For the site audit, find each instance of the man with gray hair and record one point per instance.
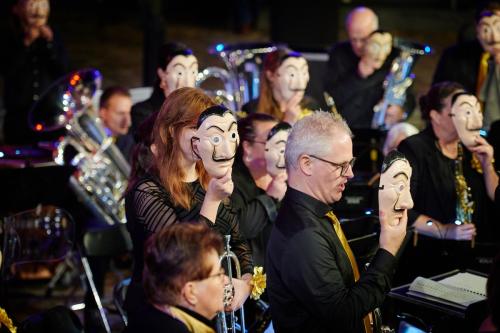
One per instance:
(313, 281)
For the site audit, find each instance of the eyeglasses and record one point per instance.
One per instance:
(219, 275)
(255, 141)
(344, 166)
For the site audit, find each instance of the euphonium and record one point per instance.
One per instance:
(101, 174)
(399, 79)
(241, 76)
(230, 258)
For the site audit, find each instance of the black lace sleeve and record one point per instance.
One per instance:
(152, 207)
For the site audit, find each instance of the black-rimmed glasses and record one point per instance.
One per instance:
(344, 166)
(219, 275)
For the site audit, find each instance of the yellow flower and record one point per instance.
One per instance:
(258, 282)
(5, 320)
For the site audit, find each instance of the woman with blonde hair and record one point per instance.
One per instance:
(177, 189)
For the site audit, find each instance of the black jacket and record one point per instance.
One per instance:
(310, 281)
(140, 111)
(354, 96)
(256, 211)
(460, 63)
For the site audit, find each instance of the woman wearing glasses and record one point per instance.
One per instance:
(183, 281)
(176, 188)
(449, 184)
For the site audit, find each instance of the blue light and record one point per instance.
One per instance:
(458, 222)
(219, 47)
(17, 152)
(483, 133)
(1, 154)
(427, 49)
(368, 212)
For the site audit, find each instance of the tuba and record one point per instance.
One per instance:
(101, 171)
(399, 79)
(223, 325)
(241, 76)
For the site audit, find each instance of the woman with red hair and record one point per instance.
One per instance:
(176, 189)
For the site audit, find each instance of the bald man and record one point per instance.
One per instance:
(353, 79)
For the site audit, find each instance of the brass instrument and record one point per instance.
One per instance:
(399, 79)
(101, 174)
(241, 76)
(230, 258)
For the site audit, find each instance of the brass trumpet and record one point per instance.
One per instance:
(230, 258)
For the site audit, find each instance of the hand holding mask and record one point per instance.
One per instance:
(467, 117)
(216, 140)
(394, 195)
(377, 49)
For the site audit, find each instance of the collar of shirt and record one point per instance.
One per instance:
(311, 204)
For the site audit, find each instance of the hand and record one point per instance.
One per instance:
(392, 233)
(277, 187)
(393, 115)
(220, 188)
(366, 67)
(46, 32)
(291, 108)
(484, 152)
(459, 232)
(242, 289)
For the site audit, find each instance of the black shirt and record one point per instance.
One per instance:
(140, 111)
(310, 282)
(256, 211)
(354, 96)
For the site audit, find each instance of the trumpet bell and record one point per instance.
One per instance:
(64, 99)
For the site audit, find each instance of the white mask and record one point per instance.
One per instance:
(181, 72)
(467, 118)
(291, 77)
(215, 143)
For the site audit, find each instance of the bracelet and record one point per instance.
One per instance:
(258, 282)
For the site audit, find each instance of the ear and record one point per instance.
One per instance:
(435, 116)
(161, 73)
(189, 293)
(305, 165)
(154, 149)
(270, 76)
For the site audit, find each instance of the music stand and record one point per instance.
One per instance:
(462, 318)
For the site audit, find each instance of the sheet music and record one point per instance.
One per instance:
(422, 287)
(468, 281)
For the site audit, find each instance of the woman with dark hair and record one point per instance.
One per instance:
(283, 81)
(183, 281)
(449, 184)
(256, 194)
(177, 188)
(177, 67)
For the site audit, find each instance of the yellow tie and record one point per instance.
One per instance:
(482, 72)
(350, 255)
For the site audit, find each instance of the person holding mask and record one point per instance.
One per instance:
(177, 68)
(283, 81)
(256, 194)
(33, 58)
(452, 182)
(183, 281)
(475, 64)
(176, 188)
(357, 69)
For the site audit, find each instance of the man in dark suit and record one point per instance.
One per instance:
(314, 284)
(475, 64)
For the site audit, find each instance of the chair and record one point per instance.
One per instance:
(119, 293)
(44, 235)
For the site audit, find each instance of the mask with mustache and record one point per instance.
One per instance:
(275, 148)
(467, 117)
(292, 76)
(180, 72)
(216, 140)
(394, 189)
(488, 32)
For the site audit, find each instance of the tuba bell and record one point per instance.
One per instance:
(101, 171)
(241, 76)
